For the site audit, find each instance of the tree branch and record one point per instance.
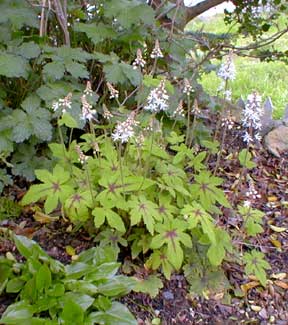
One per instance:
(200, 8)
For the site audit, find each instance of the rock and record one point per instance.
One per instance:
(168, 295)
(285, 116)
(241, 103)
(267, 118)
(276, 141)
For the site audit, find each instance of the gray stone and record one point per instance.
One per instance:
(168, 295)
(285, 116)
(267, 117)
(241, 103)
(276, 141)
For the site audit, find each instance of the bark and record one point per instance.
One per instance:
(200, 8)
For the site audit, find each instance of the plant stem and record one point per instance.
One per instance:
(147, 161)
(220, 151)
(188, 120)
(194, 123)
(120, 165)
(90, 184)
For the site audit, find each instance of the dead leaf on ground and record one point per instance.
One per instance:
(44, 218)
(248, 286)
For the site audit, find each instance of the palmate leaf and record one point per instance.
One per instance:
(143, 209)
(195, 214)
(217, 251)
(256, 265)
(56, 188)
(113, 218)
(97, 33)
(205, 189)
(252, 219)
(18, 13)
(129, 13)
(54, 70)
(78, 205)
(151, 285)
(22, 163)
(29, 50)
(39, 118)
(158, 259)
(77, 70)
(172, 233)
(121, 73)
(13, 66)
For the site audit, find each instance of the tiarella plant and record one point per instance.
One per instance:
(134, 188)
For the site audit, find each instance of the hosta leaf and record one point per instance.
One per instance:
(117, 314)
(117, 286)
(13, 66)
(17, 313)
(43, 278)
(72, 313)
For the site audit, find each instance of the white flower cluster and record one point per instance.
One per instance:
(187, 87)
(252, 195)
(195, 108)
(106, 113)
(156, 52)
(252, 117)
(63, 104)
(227, 72)
(114, 93)
(82, 158)
(87, 112)
(125, 130)
(139, 61)
(179, 111)
(88, 90)
(228, 121)
(227, 69)
(157, 99)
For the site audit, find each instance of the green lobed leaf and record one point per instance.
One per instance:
(54, 70)
(13, 66)
(97, 33)
(151, 285)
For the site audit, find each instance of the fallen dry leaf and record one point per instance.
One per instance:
(247, 286)
(281, 284)
(44, 218)
(278, 229)
(255, 308)
(279, 276)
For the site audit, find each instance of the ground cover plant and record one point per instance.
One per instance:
(137, 179)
